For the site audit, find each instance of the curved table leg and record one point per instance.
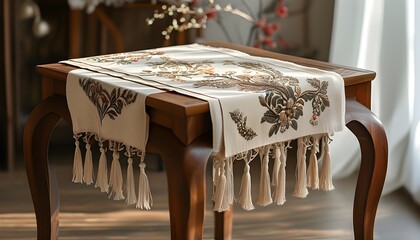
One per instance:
(374, 148)
(186, 173)
(36, 137)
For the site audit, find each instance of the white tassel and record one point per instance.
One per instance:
(230, 181)
(313, 178)
(115, 178)
(88, 167)
(245, 198)
(144, 199)
(280, 190)
(276, 166)
(131, 192)
(102, 179)
(264, 196)
(219, 195)
(326, 175)
(300, 190)
(77, 162)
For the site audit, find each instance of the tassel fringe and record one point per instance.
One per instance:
(280, 188)
(77, 162)
(145, 199)
(313, 178)
(131, 191)
(264, 198)
(326, 175)
(223, 180)
(88, 167)
(115, 177)
(300, 187)
(102, 179)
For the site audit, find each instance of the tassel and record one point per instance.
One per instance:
(131, 192)
(102, 179)
(313, 178)
(276, 166)
(115, 178)
(230, 181)
(77, 162)
(264, 197)
(219, 195)
(326, 175)
(88, 167)
(300, 187)
(144, 199)
(280, 190)
(245, 198)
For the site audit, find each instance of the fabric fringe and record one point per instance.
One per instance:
(280, 187)
(131, 191)
(313, 178)
(276, 165)
(223, 179)
(102, 176)
(144, 199)
(220, 197)
(77, 161)
(326, 175)
(264, 196)
(115, 177)
(245, 198)
(300, 190)
(88, 167)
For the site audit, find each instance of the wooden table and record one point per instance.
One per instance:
(180, 131)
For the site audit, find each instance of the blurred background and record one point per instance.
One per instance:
(380, 35)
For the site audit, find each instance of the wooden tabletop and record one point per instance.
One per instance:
(187, 106)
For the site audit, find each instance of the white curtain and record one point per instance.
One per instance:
(383, 36)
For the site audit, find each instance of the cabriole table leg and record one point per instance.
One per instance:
(36, 138)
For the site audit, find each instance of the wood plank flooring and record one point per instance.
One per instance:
(88, 214)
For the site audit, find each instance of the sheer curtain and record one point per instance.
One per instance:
(384, 36)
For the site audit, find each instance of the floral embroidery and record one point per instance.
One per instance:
(107, 103)
(283, 96)
(240, 120)
(178, 70)
(125, 58)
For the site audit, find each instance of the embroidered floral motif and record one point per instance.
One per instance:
(125, 58)
(283, 96)
(107, 103)
(178, 70)
(240, 120)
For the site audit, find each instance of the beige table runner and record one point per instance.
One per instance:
(258, 105)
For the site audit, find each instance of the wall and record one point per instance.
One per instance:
(315, 43)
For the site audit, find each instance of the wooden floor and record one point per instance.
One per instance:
(88, 214)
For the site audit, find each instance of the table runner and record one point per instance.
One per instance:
(257, 105)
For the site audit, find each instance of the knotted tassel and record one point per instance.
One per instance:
(88, 167)
(264, 196)
(313, 178)
(276, 166)
(102, 176)
(219, 195)
(280, 188)
(230, 181)
(115, 177)
(326, 175)
(77, 162)
(131, 192)
(300, 190)
(245, 197)
(144, 199)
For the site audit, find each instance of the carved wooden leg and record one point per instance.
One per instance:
(374, 147)
(186, 172)
(223, 225)
(36, 137)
